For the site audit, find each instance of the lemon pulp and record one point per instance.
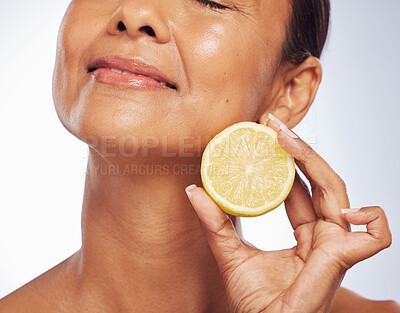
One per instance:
(245, 170)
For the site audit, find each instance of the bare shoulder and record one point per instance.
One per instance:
(49, 292)
(349, 301)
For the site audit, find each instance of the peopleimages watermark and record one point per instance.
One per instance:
(169, 148)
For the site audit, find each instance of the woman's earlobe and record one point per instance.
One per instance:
(281, 109)
(282, 113)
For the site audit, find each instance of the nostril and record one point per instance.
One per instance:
(148, 30)
(121, 26)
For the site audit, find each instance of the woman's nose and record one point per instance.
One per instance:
(140, 18)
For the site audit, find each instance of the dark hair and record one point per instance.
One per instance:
(307, 30)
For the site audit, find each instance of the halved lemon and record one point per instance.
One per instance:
(245, 170)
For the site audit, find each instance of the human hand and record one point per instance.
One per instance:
(306, 277)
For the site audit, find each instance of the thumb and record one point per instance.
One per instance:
(377, 237)
(221, 235)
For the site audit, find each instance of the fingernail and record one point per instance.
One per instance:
(282, 126)
(288, 132)
(188, 189)
(350, 210)
(266, 121)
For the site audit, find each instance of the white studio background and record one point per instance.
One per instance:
(352, 124)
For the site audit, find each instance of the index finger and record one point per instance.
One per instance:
(332, 191)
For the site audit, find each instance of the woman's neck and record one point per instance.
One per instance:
(142, 246)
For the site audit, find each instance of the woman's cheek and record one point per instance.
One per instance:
(79, 29)
(212, 57)
(221, 69)
(211, 42)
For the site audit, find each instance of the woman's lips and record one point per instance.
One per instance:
(123, 78)
(133, 72)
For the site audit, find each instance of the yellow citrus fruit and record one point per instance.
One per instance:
(245, 170)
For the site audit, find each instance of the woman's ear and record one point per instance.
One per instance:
(294, 91)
